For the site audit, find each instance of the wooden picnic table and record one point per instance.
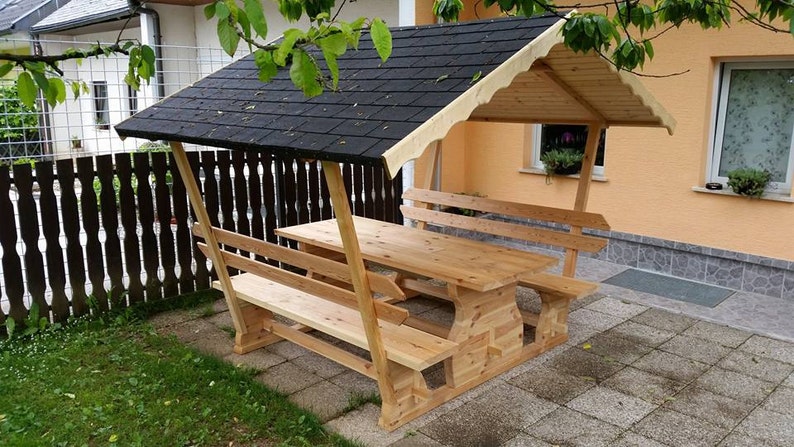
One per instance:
(480, 279)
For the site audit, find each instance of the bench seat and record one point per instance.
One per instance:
(403, 344)
(559, 286)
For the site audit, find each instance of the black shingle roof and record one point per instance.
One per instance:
(376, 106)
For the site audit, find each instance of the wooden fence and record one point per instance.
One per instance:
(105, 231)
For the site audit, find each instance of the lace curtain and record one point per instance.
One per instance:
(759, 121)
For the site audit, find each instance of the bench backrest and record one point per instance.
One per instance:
(572, 241)
(326, 268)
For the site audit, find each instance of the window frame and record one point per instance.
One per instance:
(101, 114)
(132, 100)
(722, 78)
(535, 142)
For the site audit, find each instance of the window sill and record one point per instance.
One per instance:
(726, 192)
(538, 171)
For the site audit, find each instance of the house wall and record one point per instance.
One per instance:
(659, 222)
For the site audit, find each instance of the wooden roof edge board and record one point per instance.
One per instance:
(459, 110)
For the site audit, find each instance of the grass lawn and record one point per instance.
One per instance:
(96, 383)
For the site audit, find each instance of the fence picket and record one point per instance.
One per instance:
(89, 214)
(162, 194)
(71, 229)
(149, 244)
(108, 207)
(183, 245)
(202, 272)
(14, 284)
(52, 235)
(128, 207)
(29, 232)
(255, 197)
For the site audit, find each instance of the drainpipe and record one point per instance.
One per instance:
(138, 7)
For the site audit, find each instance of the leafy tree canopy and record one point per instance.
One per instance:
(622, 31)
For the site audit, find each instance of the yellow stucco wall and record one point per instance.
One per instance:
(650, 174)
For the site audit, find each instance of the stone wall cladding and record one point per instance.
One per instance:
(735, 270)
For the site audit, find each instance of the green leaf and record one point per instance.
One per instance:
(222, 11)
(335, 44)
(76, 88)
(304, 73)
(147, 54)
(41, 80)
(285, 47)
(648, 48)
(267, 68)
(333, 67)
(381, 38)
(253, 9)
(6, 68)
(209, 11)
(59, 90)
(26, 89)
(228, 37)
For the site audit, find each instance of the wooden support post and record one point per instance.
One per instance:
(583, 191)
(433, 154)
(197, 202)
(347, 231)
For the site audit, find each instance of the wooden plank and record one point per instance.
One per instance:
(202, 272)
(71, 229)
(327, 350)
(378, 187)
(468, 263)
(194, 194)
(241, 193)
(108, 204)
(515, 231)
(183, 245)
(327, 211)
(149, 246)
(90, 219)
(583, 191)
(12, 267)
(269, 193)
(321, 289)
(35, 280)
(128, 207)
(366, 306)
(326, 267)
(368, 191)
(433, 155)
(556, 285)
(569, 217)
(54, 253)
(289, 196)
(546, 73)
(302, 190)
(162, 193)
(404, 345)
(255, 195)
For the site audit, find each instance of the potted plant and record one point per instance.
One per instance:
(564, 161)
(76, 142)
(749, 182)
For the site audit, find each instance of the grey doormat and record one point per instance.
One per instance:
(670, 287)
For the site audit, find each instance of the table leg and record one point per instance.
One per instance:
(493, 312)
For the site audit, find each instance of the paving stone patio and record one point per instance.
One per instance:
(632, 374)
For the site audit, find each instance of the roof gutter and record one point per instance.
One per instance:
(138, 8)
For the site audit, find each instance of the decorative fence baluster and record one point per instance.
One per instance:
(52, 235)
(129, 207)
(12, 267)
(29, 231)
(75, 262)
(109, 208)
(162, 194)
(184, 248)
(146, 218)
(89, 214)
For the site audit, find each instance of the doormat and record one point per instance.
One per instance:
(670, 287)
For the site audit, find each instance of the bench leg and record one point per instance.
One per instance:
(257, 321)
(552, 328)
(409, 393)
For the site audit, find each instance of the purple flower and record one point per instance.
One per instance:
(567, 138)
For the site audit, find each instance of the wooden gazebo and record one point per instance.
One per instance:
(506, 70)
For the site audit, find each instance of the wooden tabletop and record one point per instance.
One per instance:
(473, 264)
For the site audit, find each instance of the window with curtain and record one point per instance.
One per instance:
(755, 121)
(101, 109)
(559, 136)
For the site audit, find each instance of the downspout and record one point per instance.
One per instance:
(138, 7)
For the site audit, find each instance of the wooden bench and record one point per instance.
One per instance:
(323, 303)
(556, 291)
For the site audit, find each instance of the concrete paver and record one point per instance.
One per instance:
(649, 377)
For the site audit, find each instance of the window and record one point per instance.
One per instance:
(556, 136)
(101, 111)
(132, 99)
(755, 121)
